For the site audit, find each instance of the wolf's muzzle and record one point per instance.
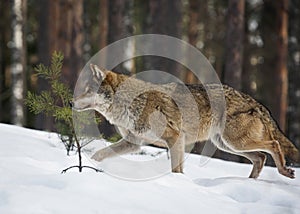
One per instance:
(71, 103)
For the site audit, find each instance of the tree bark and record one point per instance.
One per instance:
(281, 65)
(294, 74)
(1, 59)
(141, 8)
(18, 67)
(234, 43)
(67, 26)
(62, 31)
(193, 32)
(5, 65)
(120, 27)
(275, 65)
(249, 85)
(117, 27)
(44, 34)
(165, 17)
(103, 23)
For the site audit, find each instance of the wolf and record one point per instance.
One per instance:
(145, 112)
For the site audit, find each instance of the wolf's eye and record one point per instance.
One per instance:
(107, 94)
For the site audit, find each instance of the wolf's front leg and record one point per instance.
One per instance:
(120, 148)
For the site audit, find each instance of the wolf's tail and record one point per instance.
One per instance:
(289, 149)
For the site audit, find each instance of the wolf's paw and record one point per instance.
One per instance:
(288, 172)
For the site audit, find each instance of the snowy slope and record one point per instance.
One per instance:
(30, 182)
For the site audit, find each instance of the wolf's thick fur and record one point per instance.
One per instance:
(145, 112)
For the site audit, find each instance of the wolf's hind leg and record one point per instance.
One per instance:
(120, 148)
(273, 148)
(258, 160)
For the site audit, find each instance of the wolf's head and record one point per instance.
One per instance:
(96, 92)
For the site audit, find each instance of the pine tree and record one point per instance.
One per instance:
(55, 102)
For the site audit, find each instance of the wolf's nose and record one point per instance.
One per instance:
(71, 104)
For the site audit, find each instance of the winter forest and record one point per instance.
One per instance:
(253, 45)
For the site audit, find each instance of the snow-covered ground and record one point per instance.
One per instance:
(30, 182)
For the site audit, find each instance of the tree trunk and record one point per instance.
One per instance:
(141, 8)
(68, 38)
(6, 36)
(1, 59)
(281, 65)
(294, 74)
(41, 121)
(120, 26)
(118, 20)
(234, 43)
(275, 65)
(103, 27)
(43, 35)
(62, 31)
(250, 49)
(18, 67)
(193, 31)
(165, 17)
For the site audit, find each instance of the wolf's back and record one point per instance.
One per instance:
(289, 149)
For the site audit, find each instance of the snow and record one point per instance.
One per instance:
(30, 182)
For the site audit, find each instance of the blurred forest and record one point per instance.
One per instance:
(254, 46)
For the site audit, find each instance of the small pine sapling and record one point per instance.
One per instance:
(55, 102)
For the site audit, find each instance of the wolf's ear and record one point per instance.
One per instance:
(99, 73)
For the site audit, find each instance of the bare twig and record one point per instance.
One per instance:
(80, 168)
